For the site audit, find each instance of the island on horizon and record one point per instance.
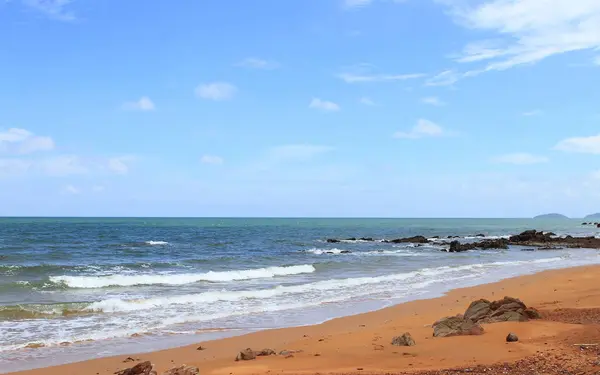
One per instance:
(595, 216)
(551, 216)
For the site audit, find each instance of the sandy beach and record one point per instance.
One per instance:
(568, 299)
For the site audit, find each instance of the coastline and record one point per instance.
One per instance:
(347, 344)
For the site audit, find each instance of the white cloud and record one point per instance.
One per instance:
(119, 165)
(356, 3)
(56, 9)
(64, 165)
(21, 141)
(98, 188)
(216, 91)
(212, 159)
(11, 167)
(143, 104)
(357, 78)
(520, 158)
(366, 101)
(445, 78)
(423, 128)
(585, 145)
(297, 152)
(256, 63)
(323, 105)
(433, 100)
(527, 31)
(70, 189)
(534, 112)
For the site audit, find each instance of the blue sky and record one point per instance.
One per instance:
(414, 108)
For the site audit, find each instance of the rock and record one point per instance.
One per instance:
(480, 235)
(477, 310)
(246, 355)
(415, 239)
(369, 239)
(34, 345)
(512, 338)
(456, 326)
(183, 370)
(286, 353)
(265, 353)
(532, 313)
(597, 225)
(332, 240)
(129, 359)
(201, 348)
(345, 252)
(143, 368)
(457, 247)
(351, 239)
(436, 237)
(404, 340)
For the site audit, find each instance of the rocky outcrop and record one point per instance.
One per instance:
(332, 240)
(414, 239)
(457, 247)
(550, 241)
(483, 311)
(143, 368)
(246, 355)
(265, 353)
(504, 310)
(531, 236)
(183, 370)
(404, 340)
(456, 326)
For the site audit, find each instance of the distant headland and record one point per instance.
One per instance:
(551, 216)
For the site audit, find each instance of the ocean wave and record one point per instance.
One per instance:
(86, 282)
(336, 251)
(156, 243)
(417, 278)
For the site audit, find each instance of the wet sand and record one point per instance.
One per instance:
(568, 299)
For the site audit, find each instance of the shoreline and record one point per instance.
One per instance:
(343, 345)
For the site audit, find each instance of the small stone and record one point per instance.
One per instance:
(404, 340)
(183, 370)
(128, 359)
(512, 337)
(246, 355)
(201, 348)
(265, 353)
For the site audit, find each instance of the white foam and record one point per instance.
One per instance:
(156, 243)
(86, 282)
(334, 251)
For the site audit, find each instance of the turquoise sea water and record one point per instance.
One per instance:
(110, 286)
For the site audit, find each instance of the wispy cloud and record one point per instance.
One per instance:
(55, 9)
(212, 159)
(143, 104)
(366, 101)
(433, 100)
(520, 158)
(256, 63)
(70, 189)
(527, 31)
(584, 145)
(445, 78)
(359, 78)
(423, 128)
(22, 141)
(120, 165)
(351, 4)
(534, 112)
(217, 91)
(323, 105)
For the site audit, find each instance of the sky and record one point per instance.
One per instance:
(325, 108)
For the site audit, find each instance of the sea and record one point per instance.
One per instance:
(79, 288)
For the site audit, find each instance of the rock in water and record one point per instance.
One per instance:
(456, 326)
(246, 355)
(183, 370)
(512, 337)
(404, 340)
(143, 368)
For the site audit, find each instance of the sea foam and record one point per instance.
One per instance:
(178, 279)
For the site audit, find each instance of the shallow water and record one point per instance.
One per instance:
(143, 284)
